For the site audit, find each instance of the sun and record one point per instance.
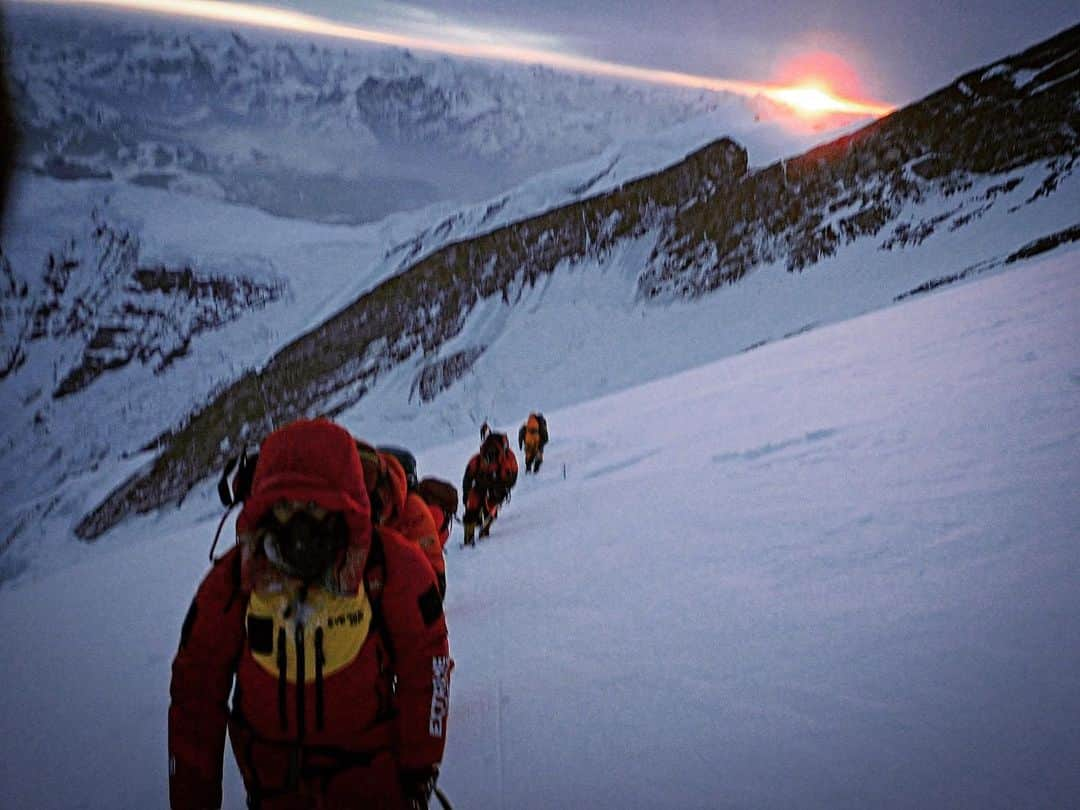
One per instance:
(813, 100)
(815, 84)
(808, 98)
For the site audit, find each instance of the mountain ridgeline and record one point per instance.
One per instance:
(307, 131)
(712, 221)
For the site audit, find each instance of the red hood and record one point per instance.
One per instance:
(397, 486)
(310, 460)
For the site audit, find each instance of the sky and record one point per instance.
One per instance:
(878, 54)
(901, 49)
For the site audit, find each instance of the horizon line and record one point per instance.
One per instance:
(805, 100)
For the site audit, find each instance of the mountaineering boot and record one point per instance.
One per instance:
(536, 465)
(469, 529)
(485, 527)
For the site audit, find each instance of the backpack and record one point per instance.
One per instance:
(407, 461)
(507, 462)
(439, 493)
(236, 494)
(543, 428)
(497, 442)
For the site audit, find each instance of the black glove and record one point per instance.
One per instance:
(418, 784)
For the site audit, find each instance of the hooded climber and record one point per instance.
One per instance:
(532, 436)
(489, 477)
(395, 503)
(438, 498)
(334, 635)
(442, 500)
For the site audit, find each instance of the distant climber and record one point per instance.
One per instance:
(532, 436)
(489, 477)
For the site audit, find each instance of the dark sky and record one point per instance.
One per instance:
(900, 50)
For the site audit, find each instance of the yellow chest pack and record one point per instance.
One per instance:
(319, 633)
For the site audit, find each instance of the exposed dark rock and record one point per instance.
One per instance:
(1045, 244)
(93, 291)
(62, 169)
(438, 376)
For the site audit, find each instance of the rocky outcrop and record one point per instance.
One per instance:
(107, 310)
(1019, 115)
(439, 375)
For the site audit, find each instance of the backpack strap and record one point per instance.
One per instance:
(374, 582)
(374, 578)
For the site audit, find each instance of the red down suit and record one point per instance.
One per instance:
(489, 477)
(340, 687)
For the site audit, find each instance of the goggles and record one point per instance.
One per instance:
(304, 540)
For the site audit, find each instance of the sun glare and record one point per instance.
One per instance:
(812, 100)
(818, 83)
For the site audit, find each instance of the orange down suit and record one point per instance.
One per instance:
(407, 513)
(399, 509)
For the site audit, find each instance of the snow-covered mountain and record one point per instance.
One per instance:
(423, 316)
(834, 573)
(126, 301)
(982, 171)
(307, 129)
(806, 531)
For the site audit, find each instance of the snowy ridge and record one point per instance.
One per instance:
(320, 269)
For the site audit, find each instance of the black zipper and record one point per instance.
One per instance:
(320, 660)
(300, 709)
(283, 673)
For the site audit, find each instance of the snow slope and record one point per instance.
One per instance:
(836, 571)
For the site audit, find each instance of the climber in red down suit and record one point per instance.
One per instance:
(334, 634)
(489, 477)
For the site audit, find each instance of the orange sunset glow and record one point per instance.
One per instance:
(812, 86)
(816, 83)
